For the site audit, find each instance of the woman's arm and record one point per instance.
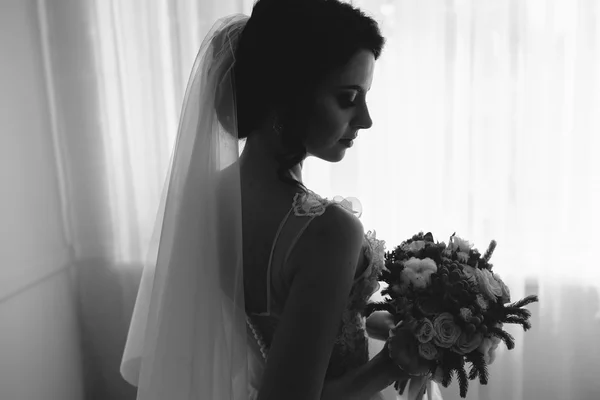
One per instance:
(323, 262)
(379, 324)
(364, 382)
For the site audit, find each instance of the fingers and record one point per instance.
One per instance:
(379, 324)
(406, 352)
(408, 325)
(411, 361)
(410, 322)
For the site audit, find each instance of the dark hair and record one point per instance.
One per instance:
(286, 50)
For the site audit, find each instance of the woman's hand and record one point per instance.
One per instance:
(381, 371)
(404, 349)
(379, 324)
(405, 346)
(391, 370)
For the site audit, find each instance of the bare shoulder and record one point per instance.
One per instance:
(330, 242)
(324, 260)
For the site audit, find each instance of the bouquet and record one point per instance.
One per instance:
(455, 305)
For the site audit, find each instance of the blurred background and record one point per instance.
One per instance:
(486, 123)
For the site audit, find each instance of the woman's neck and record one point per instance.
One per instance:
(259, 160)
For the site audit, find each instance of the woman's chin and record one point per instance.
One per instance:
(334, 158)
(332, 154)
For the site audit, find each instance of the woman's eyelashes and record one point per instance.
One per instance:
(348, 100)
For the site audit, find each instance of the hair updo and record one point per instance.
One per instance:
(285, 51)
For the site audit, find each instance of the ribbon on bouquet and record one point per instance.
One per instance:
(417, 387)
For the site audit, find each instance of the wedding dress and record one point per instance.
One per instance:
(350, 350)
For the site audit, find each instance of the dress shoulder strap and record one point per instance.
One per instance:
(306, 206)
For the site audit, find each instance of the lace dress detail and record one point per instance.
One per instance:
(351, 345)
(309, 204)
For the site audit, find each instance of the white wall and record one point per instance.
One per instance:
(39, 341)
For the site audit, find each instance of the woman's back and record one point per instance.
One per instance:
(283, 228)
(263, 210)
(272, 225)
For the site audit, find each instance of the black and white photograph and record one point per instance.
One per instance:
(300, 199)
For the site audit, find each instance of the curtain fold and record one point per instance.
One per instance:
(486, 120)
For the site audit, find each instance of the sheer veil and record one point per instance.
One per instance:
(187, 338)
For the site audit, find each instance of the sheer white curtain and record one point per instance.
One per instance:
(486, 119)
(115, 73)
(133, 59)
(486, 122)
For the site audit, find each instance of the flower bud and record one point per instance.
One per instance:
(455, 276)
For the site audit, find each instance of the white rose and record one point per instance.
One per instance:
(428, 351)
(466, 342)
(489, 285)
(462, 257)
(446, 332)
(461, 244)
(505, 290)
(488, 348)
(470, 272)
(473, 273)
(481, 302)
(424, 332)
(414, 246)
(418, 272)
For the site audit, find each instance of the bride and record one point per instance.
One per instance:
(255, 285)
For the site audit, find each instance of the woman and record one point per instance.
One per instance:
(259, 283)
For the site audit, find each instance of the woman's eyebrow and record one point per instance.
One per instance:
(358, 88)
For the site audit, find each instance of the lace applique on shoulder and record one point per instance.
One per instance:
(310, 204)
(351, 204)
